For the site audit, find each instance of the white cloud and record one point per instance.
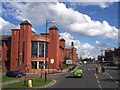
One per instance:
(101, 44)
(84, 48)
(67, 18)
(119, 38)
(100, 4)
(5, 26)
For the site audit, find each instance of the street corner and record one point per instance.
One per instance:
(48, 85)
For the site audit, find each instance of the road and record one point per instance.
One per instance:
(90, 79)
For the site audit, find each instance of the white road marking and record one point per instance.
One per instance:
(117, 82)
(100, 86)
(96, 77)
(112, 78)
(98, 82)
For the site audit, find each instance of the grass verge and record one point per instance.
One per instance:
(5, 79)
(37, 82)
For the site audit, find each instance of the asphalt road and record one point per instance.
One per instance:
(90, 79)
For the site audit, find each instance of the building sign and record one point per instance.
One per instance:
(51, 61)
(68, 61)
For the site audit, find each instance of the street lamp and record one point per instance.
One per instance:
(102, 60)
(25, 80)
(45, 45)
(102, 57)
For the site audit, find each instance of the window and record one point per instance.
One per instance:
(34, 49)
(23, 48)
(40, 64)
(38, 49)
(34, 64)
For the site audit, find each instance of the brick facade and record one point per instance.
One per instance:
(26, 49)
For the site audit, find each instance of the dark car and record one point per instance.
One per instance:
(14, 74)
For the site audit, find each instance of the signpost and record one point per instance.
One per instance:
(52, 62)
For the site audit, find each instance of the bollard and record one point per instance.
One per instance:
(29, 83)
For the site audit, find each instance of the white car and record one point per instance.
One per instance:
(85, 61)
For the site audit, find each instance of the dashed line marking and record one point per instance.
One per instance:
(100, 87)
(112, 78)
(117, 82)
(98, 82)
(97, 77)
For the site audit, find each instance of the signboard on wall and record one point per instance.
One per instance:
(51, 61)
(68, 61)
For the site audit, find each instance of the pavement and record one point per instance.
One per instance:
(29, 75)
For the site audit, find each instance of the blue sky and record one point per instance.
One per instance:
(92, 26)
(109, 14)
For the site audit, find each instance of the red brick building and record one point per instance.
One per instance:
(71, 53)
(27, 49)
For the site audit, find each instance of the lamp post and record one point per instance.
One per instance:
(25, 80)
(45, 45)
(102, 57)
(103, 69)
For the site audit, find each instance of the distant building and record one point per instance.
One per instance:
(0, 55)
(108, 56)
(117, 55)
(71, 53)
(112, 55)
(24, 49)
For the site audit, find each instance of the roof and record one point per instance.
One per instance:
(44, 33)
(25, 23)
(53, 27)
(5, 37)
(62, 39)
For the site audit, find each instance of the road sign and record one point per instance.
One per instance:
(68, 61)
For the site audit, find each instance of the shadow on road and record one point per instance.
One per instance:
(117, 80)
(72, 77)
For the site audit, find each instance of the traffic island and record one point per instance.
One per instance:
(36, 82)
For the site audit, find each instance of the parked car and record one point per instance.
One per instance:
(14, 74)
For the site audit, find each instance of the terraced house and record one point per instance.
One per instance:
(24, 48)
